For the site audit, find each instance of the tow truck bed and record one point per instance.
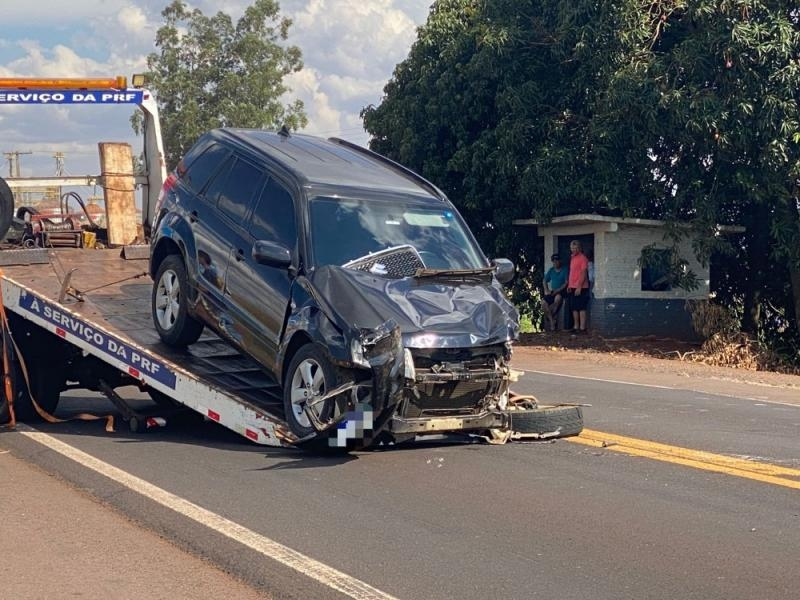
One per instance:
(113, 323)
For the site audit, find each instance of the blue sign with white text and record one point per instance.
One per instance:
(138, 363)
(72, 97)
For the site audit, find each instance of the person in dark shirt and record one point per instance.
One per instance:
(555, 285)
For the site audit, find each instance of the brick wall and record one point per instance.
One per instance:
(616, 264)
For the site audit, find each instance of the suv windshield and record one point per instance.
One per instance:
(343, 230)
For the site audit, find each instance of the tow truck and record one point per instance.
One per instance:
(74, 318)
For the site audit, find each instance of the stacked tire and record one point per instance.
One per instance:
(6, 208)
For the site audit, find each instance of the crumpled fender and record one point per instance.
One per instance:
(382, 349)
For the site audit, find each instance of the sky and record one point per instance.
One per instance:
(350, 48)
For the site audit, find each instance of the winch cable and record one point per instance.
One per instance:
(8, 388)
(54, 258)
(105, 285)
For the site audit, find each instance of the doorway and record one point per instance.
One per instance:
(587, 245)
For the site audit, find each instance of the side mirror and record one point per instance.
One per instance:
(271, 254)
(503, 270)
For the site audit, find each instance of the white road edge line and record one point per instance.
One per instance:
(350, 586)
(661, 387)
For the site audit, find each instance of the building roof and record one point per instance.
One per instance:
(590, 219)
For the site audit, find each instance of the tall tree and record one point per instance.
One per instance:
(713, 87)
(210, 72)
(665, 109)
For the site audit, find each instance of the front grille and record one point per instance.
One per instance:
(397, 263)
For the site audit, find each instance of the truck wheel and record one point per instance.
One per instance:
(309, 376)
(6, 208)
(170, 304)
(47, 383)
(548, 421)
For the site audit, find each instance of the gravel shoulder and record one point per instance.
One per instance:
(661, 363)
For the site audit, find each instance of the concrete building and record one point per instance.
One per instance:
(628, 300)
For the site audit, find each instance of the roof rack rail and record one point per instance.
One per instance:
(406, 172)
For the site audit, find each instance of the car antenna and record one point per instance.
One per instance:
(284, 132)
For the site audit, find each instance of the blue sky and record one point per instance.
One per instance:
(350, 48)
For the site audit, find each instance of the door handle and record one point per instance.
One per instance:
(193, 216)
(239, 256)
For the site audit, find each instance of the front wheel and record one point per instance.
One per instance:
(170, 304)
(309, 377)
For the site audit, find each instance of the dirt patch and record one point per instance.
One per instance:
(735, 359)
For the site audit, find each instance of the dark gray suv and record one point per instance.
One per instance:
(351, 280)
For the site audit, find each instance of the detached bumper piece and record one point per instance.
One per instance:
(491, 420)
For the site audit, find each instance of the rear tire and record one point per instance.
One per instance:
(6, 208)
(170, 304)
(46, 381)
(548, 421)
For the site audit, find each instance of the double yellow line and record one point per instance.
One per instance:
(763, 472)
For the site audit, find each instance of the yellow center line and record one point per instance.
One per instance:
(707, 461)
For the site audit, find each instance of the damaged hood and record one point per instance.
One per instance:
(429, 312)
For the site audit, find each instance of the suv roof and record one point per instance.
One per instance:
(319, 162)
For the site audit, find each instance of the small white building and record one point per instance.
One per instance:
(628, 300)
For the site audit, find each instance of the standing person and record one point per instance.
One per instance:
(555, 288)
(578, 286)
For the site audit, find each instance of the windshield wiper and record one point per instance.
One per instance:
(454, 273)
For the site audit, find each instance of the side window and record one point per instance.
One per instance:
(273, 217)
(233, 191)
(202, 168)
(655, 264)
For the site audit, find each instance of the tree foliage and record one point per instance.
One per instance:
(666, 109)
(211, 72)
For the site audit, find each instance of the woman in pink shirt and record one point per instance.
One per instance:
(578, 286)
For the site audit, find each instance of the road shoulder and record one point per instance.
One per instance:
(57, 542)
(648, 371)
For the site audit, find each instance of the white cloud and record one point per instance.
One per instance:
(39, 12)
(358, 38)
(59, 61)
(132, 19)
(350, 48)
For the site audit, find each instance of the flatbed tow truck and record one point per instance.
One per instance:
(79, 318)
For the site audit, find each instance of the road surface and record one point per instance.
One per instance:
(676, 491)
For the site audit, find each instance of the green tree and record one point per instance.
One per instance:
(712, 87)
(210, 72)
(667, 109)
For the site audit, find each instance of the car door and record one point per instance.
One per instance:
(196, 200)
(263, 292)
(231, 194)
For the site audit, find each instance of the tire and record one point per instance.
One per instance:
(47, 383)
(170, 304)
(6, 208)
(548, 421)
(310, 374)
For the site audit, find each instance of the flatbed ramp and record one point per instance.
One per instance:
(100, 302)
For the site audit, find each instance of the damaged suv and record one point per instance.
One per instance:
(353, 281)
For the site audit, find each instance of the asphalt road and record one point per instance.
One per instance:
(456, 520)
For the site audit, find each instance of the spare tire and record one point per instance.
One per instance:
(6, 208)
